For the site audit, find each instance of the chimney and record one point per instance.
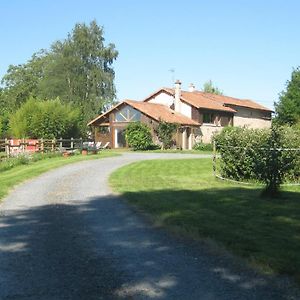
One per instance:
(191, 87)
(177, 102)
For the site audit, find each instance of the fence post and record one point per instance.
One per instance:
(72, 143)
(23, 145)
(60, 144)
(42, 145)
(37, 146)
(214, 158)
(81, 143)
(53, 145)
(7, 148)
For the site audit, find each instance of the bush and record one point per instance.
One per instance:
(165, 132)
(203, 147)
(252, 154)
(45, 119)
(138, 136)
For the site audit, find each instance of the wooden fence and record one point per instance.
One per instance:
(17, 146)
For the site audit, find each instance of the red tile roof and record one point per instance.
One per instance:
(160, 111)
(200, 99)
(154, 111)
(234, 101)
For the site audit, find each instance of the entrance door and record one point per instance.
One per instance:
(120, 141)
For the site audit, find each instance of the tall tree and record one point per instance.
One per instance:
(81, 70)
(209, 87)
(288, 107)
(21, 81)
(78, 70)
(5, 109)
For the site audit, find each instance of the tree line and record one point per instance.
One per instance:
(57, 91)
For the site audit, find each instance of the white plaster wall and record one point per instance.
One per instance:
(186, 109)
(162, 98)
(250, 118)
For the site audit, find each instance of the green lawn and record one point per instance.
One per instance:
(178, 151)
(183, 195)
(12, 177)
(120, 150)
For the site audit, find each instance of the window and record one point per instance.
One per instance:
(208, 118)
(127, 114)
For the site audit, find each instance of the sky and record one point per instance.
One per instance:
(248, 48)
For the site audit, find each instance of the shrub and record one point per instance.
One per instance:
(203, 147)
(138, 136)
(45, 119)
(165, 133)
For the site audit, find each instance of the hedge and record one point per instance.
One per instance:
(256, 154)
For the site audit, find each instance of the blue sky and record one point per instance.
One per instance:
(247, 47)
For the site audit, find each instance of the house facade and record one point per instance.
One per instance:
(199, 115)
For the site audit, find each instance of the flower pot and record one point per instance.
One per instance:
(84, 152)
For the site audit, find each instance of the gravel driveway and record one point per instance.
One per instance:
(64, 235)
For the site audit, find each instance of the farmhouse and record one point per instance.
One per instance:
(198, 114)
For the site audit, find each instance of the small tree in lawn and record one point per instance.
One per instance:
(165, 133)
(138, 136)
(274, 168)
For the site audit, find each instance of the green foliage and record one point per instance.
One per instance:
(4, 114)
(209, 87)
(78, 70)
(45, 119)
(203, 147)
(21, 81)
(288, 107)
(4, 123)
(165, 132)
(138, 136)
(252, 154)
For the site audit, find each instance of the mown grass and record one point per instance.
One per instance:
(10, 178)
(183, 195)
(178, 151)
(164, 151)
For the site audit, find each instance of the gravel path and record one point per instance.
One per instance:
(64, 235)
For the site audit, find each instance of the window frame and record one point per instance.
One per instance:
(211, 118)
(128, 113)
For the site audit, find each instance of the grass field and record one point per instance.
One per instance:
(16, 175)
(179, 151)
(183, 195)
(120, 150)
